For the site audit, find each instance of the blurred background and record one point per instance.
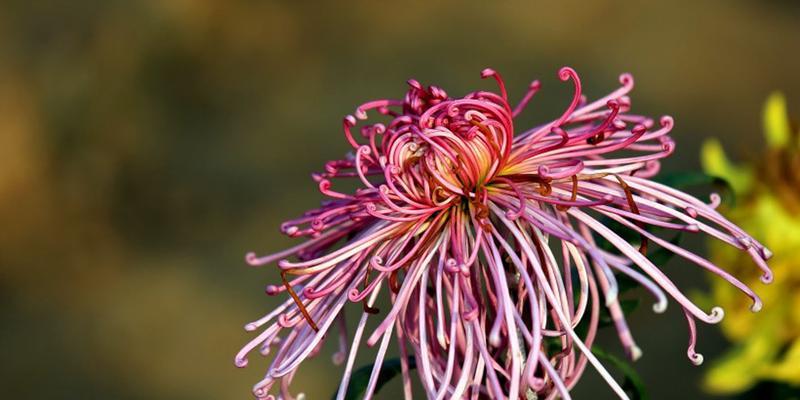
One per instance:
(146, 146)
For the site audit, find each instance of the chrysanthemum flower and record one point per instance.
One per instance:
(767, 345)
(486, 242)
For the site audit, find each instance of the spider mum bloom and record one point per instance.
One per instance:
(486, 243)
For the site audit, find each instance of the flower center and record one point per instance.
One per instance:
(455, 146)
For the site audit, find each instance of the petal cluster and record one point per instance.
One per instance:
(496, 249)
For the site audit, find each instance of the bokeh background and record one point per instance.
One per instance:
(146, 146)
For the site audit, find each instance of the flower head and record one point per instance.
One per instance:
(487, 242)
(768, 193)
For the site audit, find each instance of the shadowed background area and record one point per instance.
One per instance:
(145, 147)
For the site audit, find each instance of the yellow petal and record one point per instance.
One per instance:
(776, 121)
(716, 163)
(740, 369)
(788, 369)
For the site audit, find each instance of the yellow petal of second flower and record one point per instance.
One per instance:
(742, 368)
(716, 163)
(776, 121)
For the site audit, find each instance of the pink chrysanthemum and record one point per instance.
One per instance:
(486, 243)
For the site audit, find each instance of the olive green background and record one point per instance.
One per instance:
(146, 146)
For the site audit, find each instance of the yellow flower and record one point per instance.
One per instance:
(768, 206)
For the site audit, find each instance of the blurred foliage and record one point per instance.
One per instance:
(146, 146)
(767, 343)
(631, 382)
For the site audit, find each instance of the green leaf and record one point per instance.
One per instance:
(625, 283)
(633, 383)
(685, 179)
(627, 306)
(661, 256)
(552, 345)
(359, 380)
